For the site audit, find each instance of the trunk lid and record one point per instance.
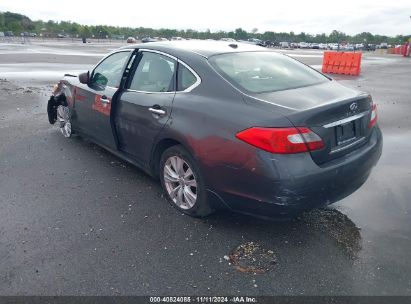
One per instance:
(339, 115)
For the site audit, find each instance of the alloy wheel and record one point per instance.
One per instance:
(180, 182)
(63, 116)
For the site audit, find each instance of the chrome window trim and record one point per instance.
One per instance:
(345, 120)
(195, 84)
(189, 89)
(147, 92)
(158, 52)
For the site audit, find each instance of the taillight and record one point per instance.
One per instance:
(374, 116)
(282, 140)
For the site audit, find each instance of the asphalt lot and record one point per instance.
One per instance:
(75, 220)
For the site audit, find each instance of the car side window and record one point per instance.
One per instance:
(109, 71)
(185, 78)
(154, 73)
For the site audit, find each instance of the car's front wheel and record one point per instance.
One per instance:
(183, 183)
(64, 118)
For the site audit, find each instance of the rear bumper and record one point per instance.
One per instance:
(275, 185)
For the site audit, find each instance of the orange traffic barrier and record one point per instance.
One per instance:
(346, 63)
(398, 50)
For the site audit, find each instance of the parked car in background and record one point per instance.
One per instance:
(267, 43)
(8, 34)
(349, 47)
(225, 125)
(370, 47)
(359, 46)
(323, 46)
(131, 40)
(315, 46)
(383, 45)
(256, 41)
(303, 45)
(284, 45)
(334, 46)
(148, 39)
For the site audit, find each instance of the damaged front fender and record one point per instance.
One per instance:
(56, 99)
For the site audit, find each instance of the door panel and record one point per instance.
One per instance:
(136, 125)
(143, 109)
(94, 101)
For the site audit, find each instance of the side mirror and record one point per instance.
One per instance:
(84, 77)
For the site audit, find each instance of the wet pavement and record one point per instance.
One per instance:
(76, 220)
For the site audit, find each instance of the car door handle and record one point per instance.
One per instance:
(104, 99)
(157, 111)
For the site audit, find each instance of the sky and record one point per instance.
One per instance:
(311, 16)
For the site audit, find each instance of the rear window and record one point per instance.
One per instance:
(260, 72)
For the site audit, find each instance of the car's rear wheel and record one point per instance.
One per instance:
(183, 183)
(64, 118)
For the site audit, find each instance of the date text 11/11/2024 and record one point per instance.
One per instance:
(205, 299)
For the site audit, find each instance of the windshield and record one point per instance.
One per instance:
(260, 72)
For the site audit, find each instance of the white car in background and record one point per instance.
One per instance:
(303, 45)
(349, 47)
(284, 45)
(333, 46)
(323, 46)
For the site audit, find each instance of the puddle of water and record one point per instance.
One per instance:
(378, 61)
(40, 71)
(38, 75)
(382, 204)
(33, 49)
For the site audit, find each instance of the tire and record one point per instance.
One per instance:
(52, 106)
(182, 181)
(52, 110)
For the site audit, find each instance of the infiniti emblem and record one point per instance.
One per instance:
(353, 106)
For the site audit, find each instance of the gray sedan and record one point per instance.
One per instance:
(225, 125)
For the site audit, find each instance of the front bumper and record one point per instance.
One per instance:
(277, 185)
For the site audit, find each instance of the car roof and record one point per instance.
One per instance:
(204, 48)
